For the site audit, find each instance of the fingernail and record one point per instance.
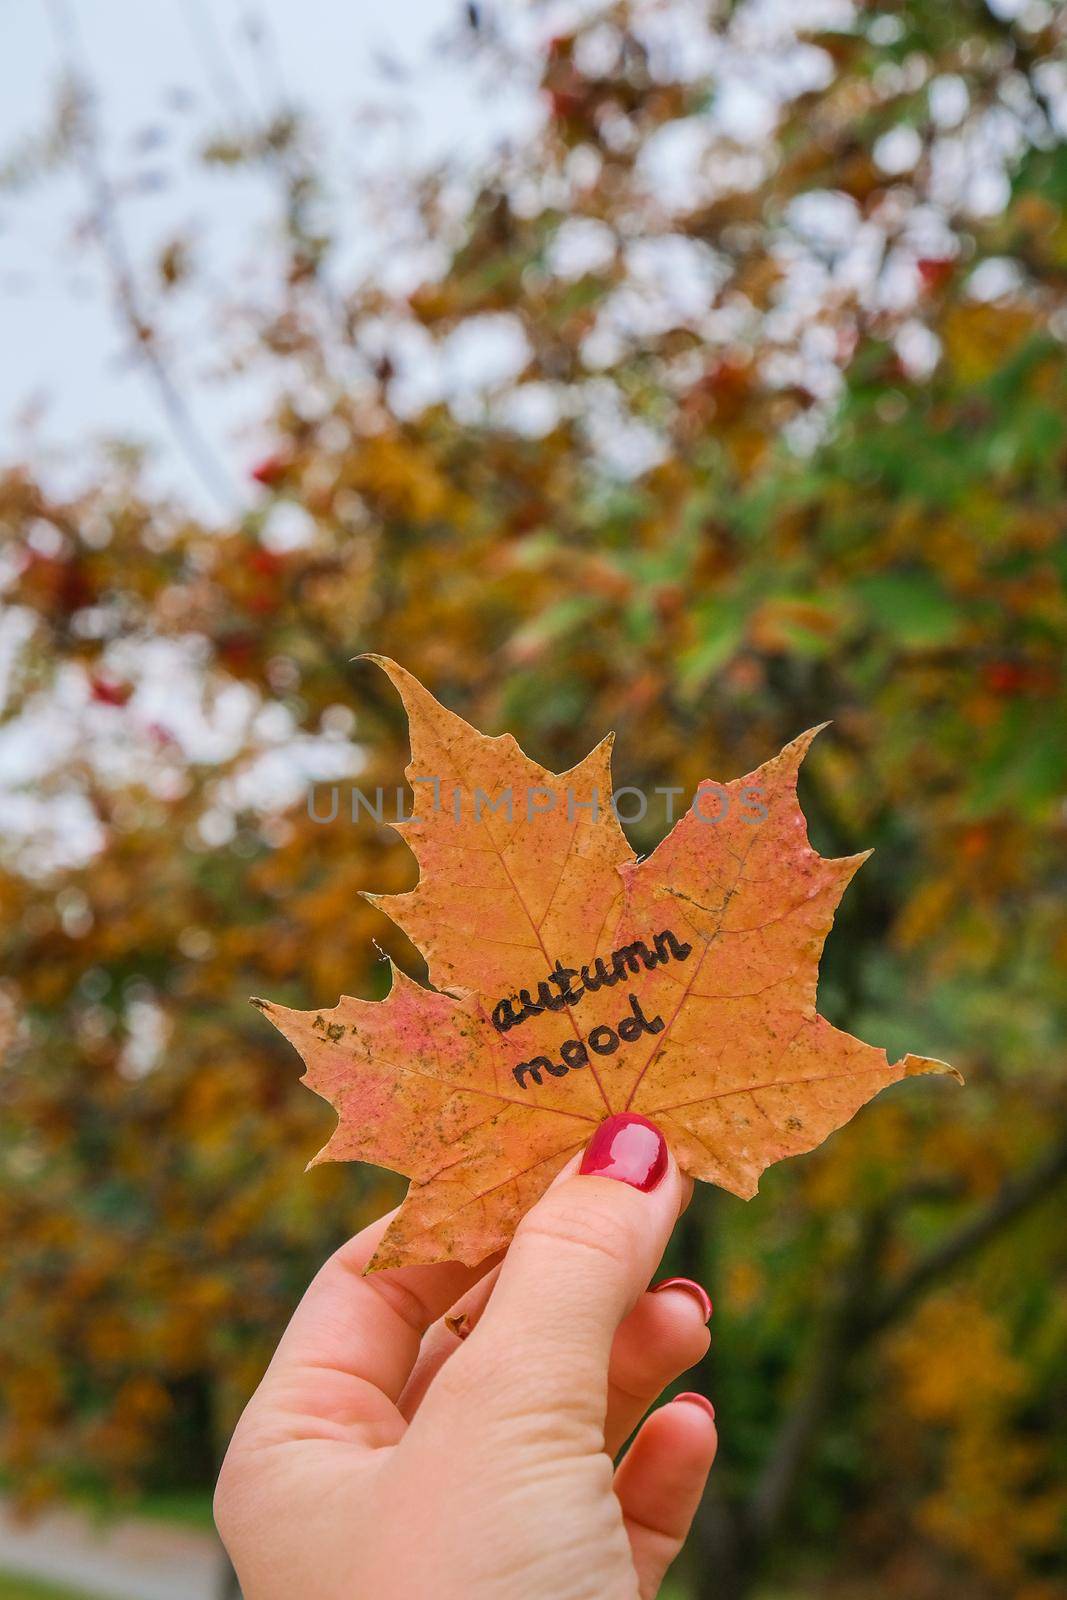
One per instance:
(628, 1148)
(699, 1294)
(696, 1400)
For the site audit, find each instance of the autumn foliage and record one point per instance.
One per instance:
(827, 482)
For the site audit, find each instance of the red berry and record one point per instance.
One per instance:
(108, 693)
(1005, 677)
(270, 470)
(265, 562)
(935, 270)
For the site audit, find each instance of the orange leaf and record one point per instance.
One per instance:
(574, 981)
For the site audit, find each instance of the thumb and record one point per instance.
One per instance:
(580, 1260)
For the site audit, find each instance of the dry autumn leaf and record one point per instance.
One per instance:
(573, 981)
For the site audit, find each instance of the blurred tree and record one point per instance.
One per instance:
(788, 441)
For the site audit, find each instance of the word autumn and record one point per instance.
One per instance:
(603, 1041)
(628, 958)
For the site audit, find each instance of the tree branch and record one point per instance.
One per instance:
(124, 287)
(859, 1316)
(776, 1486)
(1015, 1197)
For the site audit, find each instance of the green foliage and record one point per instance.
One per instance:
(15, 1587)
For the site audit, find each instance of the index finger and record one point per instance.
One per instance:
(580, 1260)
(353, 1340)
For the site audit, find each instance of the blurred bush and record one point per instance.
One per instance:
(788, 441)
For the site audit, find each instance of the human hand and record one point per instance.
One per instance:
(385, 1456)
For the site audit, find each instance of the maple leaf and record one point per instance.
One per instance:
(572, 981)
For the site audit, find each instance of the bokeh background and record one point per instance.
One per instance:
(691, 369)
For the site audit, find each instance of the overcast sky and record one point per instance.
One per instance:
(164, 72)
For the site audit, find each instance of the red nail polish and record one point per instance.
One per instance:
(696, 1400)
(699, 1294)
(629, 1148)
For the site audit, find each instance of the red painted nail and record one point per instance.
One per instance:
(699, 1294)
(629, 1148)
(696, 1400)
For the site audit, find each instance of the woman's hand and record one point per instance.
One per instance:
(393, 1454)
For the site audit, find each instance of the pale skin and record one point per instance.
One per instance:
(384, 1457)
